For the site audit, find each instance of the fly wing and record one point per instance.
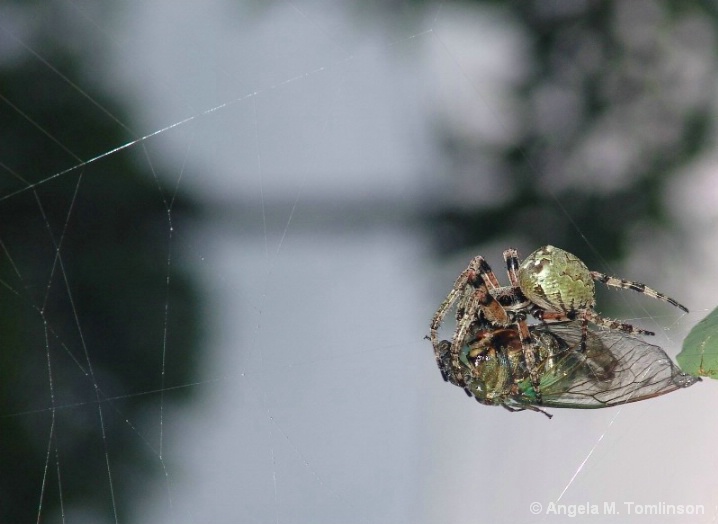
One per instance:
(615, 368)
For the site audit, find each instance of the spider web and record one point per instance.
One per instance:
(274, 368)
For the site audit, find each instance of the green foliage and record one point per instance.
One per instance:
(699, 355)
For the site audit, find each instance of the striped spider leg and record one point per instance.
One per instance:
(635, 286)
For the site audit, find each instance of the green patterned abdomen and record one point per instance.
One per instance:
(556, 281)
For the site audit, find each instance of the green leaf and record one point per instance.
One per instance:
(700, 348)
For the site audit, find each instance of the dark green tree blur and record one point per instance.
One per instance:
(83, 287)
(617, 98)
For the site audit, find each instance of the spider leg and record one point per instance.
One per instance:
(486, 273)
(493, 309)
(498, 296)
(529, 352)
(636, 286)
(597, 319)
(584, 335)
(477, 266)
(511, 257)
(465, 279)
(457, 290)
(589, 315)
(511, 297)
(460, 335)
(445, 366)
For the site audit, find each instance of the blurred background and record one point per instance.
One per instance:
(225, 227)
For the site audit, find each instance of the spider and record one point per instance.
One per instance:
(550, 284)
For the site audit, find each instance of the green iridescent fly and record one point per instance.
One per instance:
(614, 368)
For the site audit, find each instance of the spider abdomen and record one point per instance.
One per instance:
(556, 281)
